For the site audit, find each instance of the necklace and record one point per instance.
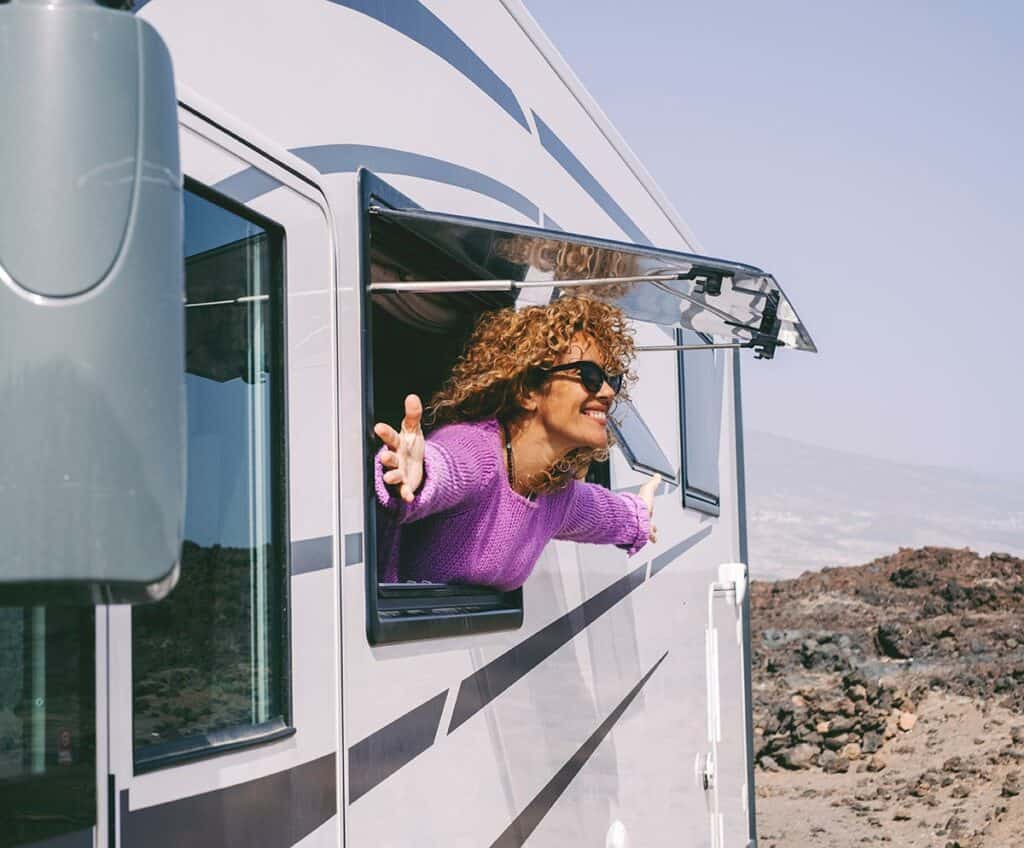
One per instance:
(508, 457)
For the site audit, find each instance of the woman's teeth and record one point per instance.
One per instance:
(593, 413)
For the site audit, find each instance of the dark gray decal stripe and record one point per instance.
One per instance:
(273, 812)
(247, 184)
(311, 555)
(486, 684)
(677, 550)
(526, 822)
(578, 171)
(385, 751)
(77, 839)
(417, 22)
(353, 548)
(345, 158)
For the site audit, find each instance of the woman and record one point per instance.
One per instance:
(522, 416)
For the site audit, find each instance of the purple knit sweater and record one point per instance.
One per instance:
(468, 525)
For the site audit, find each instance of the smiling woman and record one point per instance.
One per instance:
(518, 423)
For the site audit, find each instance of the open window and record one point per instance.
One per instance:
(637, 443)
(435, 326)
(428, 275)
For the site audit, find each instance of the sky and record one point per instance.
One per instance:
(871, 156)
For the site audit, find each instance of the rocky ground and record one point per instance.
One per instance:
(889, 703)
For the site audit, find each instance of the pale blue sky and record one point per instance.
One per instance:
(869, 154)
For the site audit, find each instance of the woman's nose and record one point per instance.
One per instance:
(605, 392)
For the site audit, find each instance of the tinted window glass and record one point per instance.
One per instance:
(210, 656)
(637, 442)
(47, 723)
(700, 378)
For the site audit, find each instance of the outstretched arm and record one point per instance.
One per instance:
(403, 451)
(416, 478)
(601, 517)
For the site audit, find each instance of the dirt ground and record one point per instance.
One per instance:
(953, 780)
(889, 703)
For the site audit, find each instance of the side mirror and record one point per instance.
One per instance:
(92, 396)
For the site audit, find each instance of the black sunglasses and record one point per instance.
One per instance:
(592, 375)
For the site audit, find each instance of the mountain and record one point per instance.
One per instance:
(811, 507)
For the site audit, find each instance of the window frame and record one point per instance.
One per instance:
(693, 497)
(225, 739)
(428, 610)
(635, 460)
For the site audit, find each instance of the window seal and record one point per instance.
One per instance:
(214, 743)
(455, 613)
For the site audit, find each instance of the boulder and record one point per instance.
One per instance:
(1011, 785)
(798, 757)
(893, 640)
(850, 751)
(877, 763)
(871, 742)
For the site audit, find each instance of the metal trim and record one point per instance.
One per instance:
(744, 551)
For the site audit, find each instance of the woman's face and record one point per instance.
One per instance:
(573, 417)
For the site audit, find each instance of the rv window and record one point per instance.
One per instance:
(209, 661)
(700, 390)
(47, 724)
(637, 442)
(412, 341)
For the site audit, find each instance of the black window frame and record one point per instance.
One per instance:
(406, 612)
(223, 740)
(693, 497)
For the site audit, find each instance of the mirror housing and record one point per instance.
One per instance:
(92, 392)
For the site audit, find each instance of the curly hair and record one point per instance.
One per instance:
(498, 368)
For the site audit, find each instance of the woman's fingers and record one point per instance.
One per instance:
(647, 491)
(386, 434)
(413, 414)
(653, 535)
(404, 455)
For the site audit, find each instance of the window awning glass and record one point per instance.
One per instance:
(737, 304)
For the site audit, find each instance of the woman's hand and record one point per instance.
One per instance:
(404, 457)
(646, 494)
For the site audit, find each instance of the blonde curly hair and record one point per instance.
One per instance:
(498, 369)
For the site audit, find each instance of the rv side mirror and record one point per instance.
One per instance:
(92, 397)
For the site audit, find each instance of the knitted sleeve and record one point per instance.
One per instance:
(596, 515)
(459, 463)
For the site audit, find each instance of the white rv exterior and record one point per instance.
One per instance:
(618, 712)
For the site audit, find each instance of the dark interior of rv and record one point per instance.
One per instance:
(413, 340)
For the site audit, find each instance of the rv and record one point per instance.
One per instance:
(360, 180)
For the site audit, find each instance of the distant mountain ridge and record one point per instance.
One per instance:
(810, 507)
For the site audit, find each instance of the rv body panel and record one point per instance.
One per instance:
(592, 717)
(383, 95)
